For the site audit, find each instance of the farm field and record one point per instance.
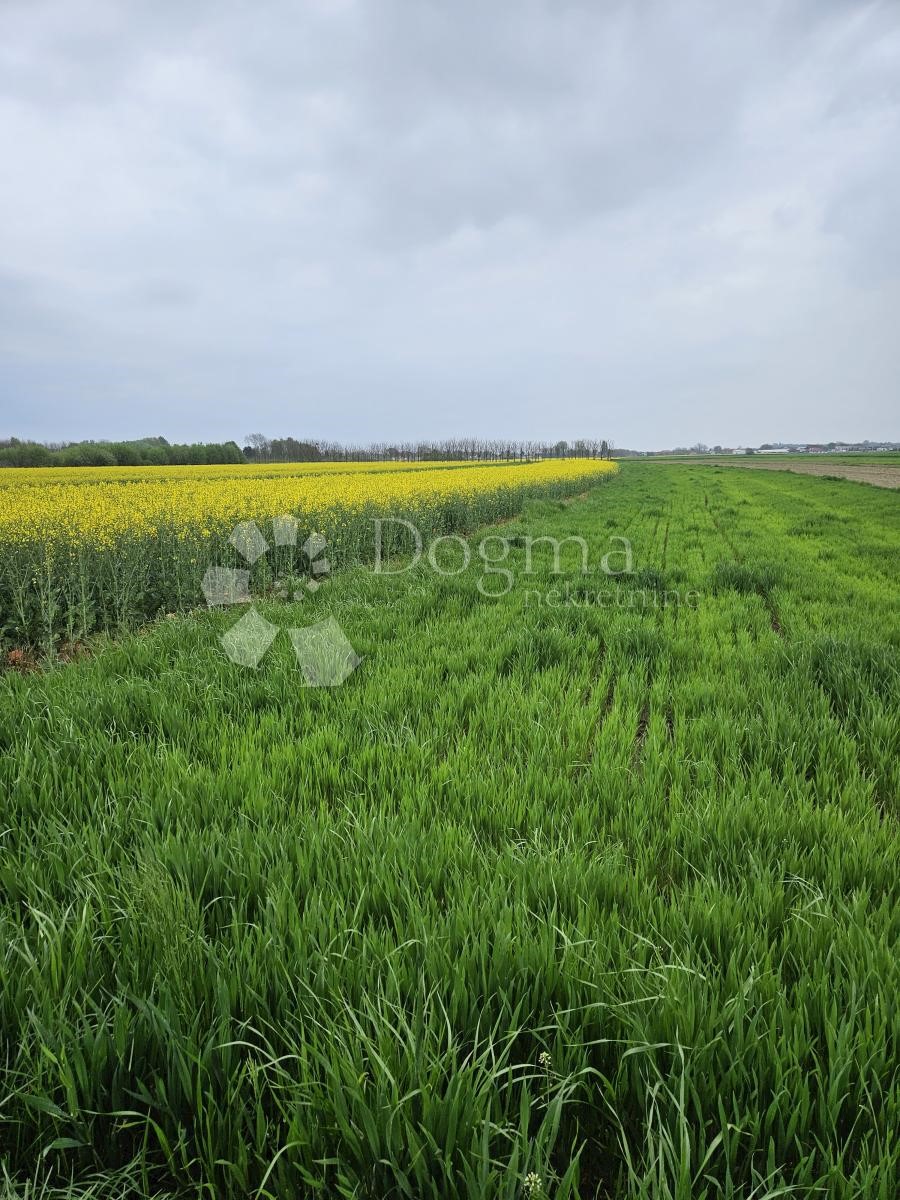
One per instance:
(878, 470)
(105, 549)
(887, 476)
(886, 458)
(581, 885)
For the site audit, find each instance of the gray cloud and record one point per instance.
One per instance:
(648, 221)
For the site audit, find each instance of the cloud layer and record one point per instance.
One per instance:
(655, 222)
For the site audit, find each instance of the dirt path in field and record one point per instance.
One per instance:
(887, 477)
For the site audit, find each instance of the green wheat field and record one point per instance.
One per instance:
(589, 889)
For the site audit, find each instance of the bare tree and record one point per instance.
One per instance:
(260, 446)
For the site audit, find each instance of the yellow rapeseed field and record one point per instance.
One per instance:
(87, 549)
(100, 505)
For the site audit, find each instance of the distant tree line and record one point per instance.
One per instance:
(261, 449)
(157, 452)
(145, 452)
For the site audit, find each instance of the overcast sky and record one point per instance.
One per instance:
(655, 222)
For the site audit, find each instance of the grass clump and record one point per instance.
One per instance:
(747, 578)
